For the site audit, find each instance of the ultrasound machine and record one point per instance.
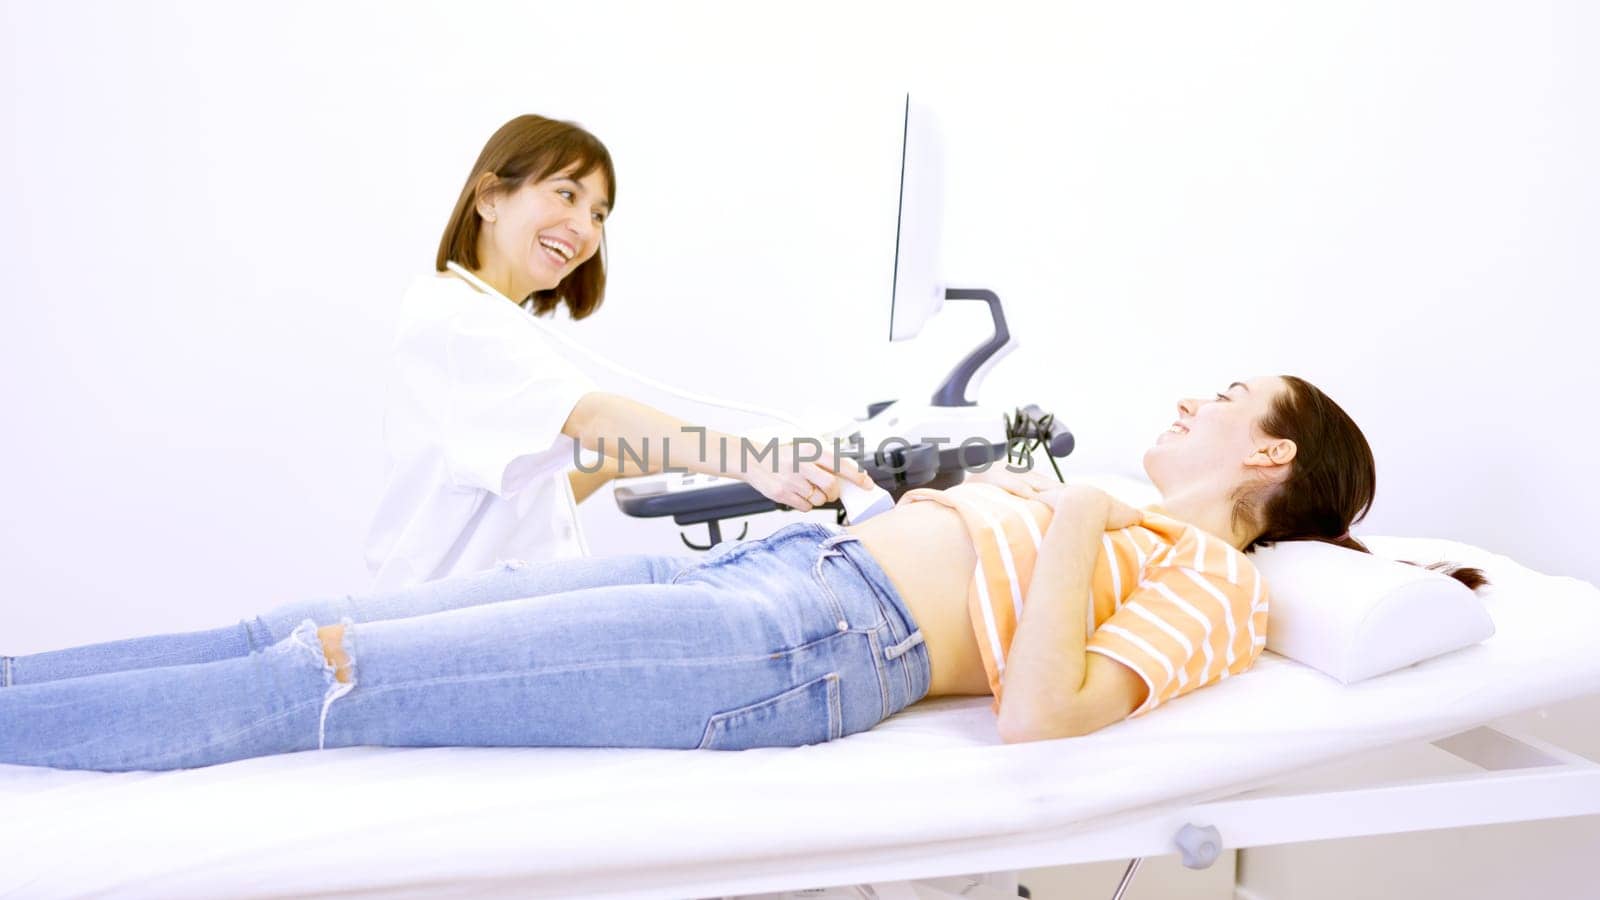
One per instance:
(901, 444)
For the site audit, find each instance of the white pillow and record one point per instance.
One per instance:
(1353, 615)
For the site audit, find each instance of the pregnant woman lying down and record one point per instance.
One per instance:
(1072, 609)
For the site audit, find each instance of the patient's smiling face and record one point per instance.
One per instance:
(1218, 437)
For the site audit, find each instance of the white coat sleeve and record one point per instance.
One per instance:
(509, 393)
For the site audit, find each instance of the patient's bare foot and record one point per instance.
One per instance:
(332, 637)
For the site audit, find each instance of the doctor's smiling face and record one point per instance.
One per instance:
(530, 219)
(538, 232)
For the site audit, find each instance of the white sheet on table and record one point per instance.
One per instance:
(558, 819)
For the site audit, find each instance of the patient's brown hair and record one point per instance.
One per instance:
(1331, 482)
(533, 148)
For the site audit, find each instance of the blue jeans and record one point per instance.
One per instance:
(794, 639)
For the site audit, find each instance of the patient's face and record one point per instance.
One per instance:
(1212, 437)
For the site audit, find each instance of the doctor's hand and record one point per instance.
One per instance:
(801, 483)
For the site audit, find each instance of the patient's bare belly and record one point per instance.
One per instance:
(925, 551)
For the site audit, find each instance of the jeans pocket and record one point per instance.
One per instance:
(808, 714)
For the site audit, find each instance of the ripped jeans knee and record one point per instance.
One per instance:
(305, 634)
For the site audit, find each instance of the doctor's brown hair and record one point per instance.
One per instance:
(533, 148)
(1331, 482)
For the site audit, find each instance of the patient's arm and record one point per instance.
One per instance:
(1053, 686)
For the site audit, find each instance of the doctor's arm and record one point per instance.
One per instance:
(586, 483)
(1053, 686)
(603, 422)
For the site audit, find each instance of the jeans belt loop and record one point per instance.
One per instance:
(901, 648)
(833, 541)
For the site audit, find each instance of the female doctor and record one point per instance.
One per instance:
(483, 415)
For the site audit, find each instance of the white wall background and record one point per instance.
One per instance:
(208, 214)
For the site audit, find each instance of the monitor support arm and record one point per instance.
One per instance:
(970, 370)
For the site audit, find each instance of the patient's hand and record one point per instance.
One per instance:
(1092, 503)
(1027, 485)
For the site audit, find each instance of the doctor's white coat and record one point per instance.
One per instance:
(477, 463)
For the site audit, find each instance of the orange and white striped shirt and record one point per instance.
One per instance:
(1180, 607)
